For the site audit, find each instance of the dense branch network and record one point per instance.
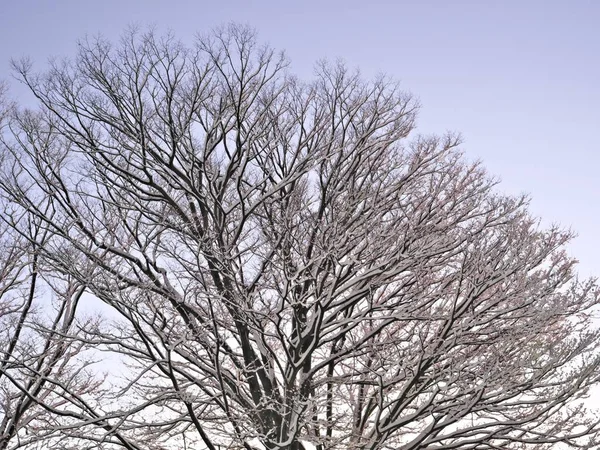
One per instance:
(281, 265)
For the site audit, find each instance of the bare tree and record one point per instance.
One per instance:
(45, 356)
(289, 269)
(42, 365)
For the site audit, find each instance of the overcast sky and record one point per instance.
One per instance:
(519, 79)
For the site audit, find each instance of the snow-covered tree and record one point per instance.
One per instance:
(286, 265)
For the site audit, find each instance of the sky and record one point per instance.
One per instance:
(518, 79)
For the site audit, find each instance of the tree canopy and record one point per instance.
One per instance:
(199, 250)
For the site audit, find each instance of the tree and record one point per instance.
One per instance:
(44, 357)
(289, 268)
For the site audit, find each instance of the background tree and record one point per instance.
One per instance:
(42, 362)
(289, 268)
(48, 394)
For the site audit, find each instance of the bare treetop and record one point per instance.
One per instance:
(291, 269)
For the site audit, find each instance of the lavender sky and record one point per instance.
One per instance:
(519, 79)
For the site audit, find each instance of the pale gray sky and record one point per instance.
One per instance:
(519, 79)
